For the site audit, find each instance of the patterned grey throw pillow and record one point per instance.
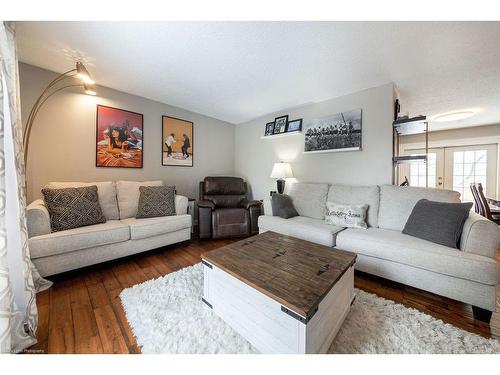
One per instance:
(73, 207)
(347, 216)
(155, 201)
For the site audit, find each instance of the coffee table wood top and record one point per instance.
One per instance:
(295, 273)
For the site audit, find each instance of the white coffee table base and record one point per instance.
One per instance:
(266, 324)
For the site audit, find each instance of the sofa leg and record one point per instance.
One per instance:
(185, 243)
(481, 314)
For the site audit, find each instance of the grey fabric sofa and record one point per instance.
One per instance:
(121, 235)
(468, 274)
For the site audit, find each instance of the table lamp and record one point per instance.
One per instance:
(280, 172)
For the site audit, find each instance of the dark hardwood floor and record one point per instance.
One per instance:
(82, 312)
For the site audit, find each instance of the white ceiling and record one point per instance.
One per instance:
(237, 71)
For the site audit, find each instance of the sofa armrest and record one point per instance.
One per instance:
(206, 204)
(268, 209)
(37, 219)
(181, 205)
(479, 236)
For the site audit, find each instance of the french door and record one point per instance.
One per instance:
(471, 164)
(455, 168)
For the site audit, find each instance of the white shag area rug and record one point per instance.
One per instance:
(167, 316)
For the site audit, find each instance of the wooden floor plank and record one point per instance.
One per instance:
(87, 337)
(109, 331)
(82, 312)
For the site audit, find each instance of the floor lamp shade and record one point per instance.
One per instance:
(280, 172)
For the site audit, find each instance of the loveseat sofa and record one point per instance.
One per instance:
(121, 235)
(468, 274)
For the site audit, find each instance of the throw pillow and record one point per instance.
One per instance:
(282, 206)
(73, 207)
(155, 201)
(438, 222)
(347, 216)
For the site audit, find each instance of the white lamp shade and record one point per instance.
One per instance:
(281, 170)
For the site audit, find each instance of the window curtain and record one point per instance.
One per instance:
(19, 280)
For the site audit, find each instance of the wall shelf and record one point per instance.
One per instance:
(281, 135)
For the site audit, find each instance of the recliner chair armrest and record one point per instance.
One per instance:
(205, 210)
(247, 204)
(479, 236)
(206, 204)
(37, 219)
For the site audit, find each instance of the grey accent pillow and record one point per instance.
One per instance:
(346, 216)
(438, 222)
(156, 201)
(282, 206)
(73, 207)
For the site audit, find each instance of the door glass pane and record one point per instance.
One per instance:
(417, 171)
(468, 167)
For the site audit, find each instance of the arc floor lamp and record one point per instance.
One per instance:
(85, 81)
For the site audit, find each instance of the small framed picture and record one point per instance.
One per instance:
(294, 126)
(269, 128)
(280, 124)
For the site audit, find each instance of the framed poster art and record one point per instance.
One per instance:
(339, 132)
(280, 124)
(119, 138)
(294, 126)
(177, 142)
(269, 128)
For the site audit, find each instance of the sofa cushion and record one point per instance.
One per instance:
(127, 193)
(112, 231)
(106, 191)
(155, 226)
(401, 248)
(156, 201)
(309, 199)
(358, 195)
(71, 208)
(438, 222)
(397, 202)
(305, 228)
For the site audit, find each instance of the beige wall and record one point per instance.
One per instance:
(62, 144)
(254, 157)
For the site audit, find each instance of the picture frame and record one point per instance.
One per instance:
(119, 138)
(177, 142)
(339, 132)
(269, 128)
(280, 124)
(294, 126)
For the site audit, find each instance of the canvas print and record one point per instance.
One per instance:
(119, 138)
(177, 142)
(340, 132)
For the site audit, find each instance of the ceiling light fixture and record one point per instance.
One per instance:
(453, 116)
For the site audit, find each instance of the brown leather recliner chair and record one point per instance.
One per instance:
(224, 210)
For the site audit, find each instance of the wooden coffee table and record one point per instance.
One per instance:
(283, 294)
